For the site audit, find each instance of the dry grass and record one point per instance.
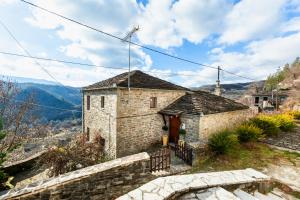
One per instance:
(250, 155)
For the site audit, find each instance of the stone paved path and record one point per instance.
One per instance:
(287, 140)
(164, 187)
(216, 193)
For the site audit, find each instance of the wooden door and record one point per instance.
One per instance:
(174, 129)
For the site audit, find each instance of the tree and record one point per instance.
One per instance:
(17, 122)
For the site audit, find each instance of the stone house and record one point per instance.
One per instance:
(267, 100)
(131, 121)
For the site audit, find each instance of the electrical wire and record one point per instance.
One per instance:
(29, 55)
(133, 43)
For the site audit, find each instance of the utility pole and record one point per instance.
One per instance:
(127, 38)
(278, 71)
(218, 86)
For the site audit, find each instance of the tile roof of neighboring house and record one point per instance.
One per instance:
(202, 102)
(138, 79)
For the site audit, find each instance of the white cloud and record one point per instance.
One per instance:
(6, 2)
(271, 36)
(196, 20)
(252, 19)
(260, 59)
(166, 24)
(115, 17)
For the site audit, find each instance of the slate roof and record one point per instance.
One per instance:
(202, 102)
(138, 79)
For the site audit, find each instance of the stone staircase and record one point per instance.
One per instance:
(246, 184)
(218, 193)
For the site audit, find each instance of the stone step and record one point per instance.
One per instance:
(215, 193)
(243, 195)
(266, 197)
(274, 196)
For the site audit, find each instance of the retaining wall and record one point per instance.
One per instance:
(103, 181)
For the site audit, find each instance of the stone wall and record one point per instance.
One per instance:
(108, 180)
(138, 125)
(210, 124)
(191, 126)
(102, 120)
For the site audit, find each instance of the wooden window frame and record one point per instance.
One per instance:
(102, 101)
(153, 102)
(88, 102)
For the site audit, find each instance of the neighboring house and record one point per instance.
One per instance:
(131, 121)
(267, 100)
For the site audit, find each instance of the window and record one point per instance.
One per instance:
(153, 102)
(265, 98)
(256, 100)
(102, 101)
(88, 134)
(88, 102)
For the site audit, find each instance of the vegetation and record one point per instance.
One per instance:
(248, 133)
(294, 114)
(240, 156)
(221, 142)
(285, 122)
(3, 176)
(268, 125)
(60, 160)
(165, 128)
(288, 72)
(182, 132)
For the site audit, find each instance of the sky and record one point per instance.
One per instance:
(249, 37)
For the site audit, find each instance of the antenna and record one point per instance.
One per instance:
(127, 38)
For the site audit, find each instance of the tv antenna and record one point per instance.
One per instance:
(127, 38)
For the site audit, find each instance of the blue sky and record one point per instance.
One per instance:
(249, 37)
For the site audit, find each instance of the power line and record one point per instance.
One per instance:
(90, 65)
(116, 37)
(56, 60)
(39, 105)
(28, 54)
(133, 43)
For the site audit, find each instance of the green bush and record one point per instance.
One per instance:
(297, 115)
(268, 125)
(248, 133)
(285, 122)
(221, 142)
(294, 114)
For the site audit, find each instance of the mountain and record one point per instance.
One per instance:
(64, 93)
(233, 90)
(57, 102)
(51, 107)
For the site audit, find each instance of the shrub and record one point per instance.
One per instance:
(285, 122)
(297, 115)
(268, 125)
(60, 160)
(248, 133)
(221, 142)
(294, 114)
(165, 128)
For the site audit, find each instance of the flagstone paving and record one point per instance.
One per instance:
(287, 140)
(164, 187)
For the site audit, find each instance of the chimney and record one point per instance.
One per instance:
(218, 86)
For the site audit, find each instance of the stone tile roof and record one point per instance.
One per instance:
(138, 79)
(202, 102)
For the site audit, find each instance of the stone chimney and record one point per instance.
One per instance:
(218, 86)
